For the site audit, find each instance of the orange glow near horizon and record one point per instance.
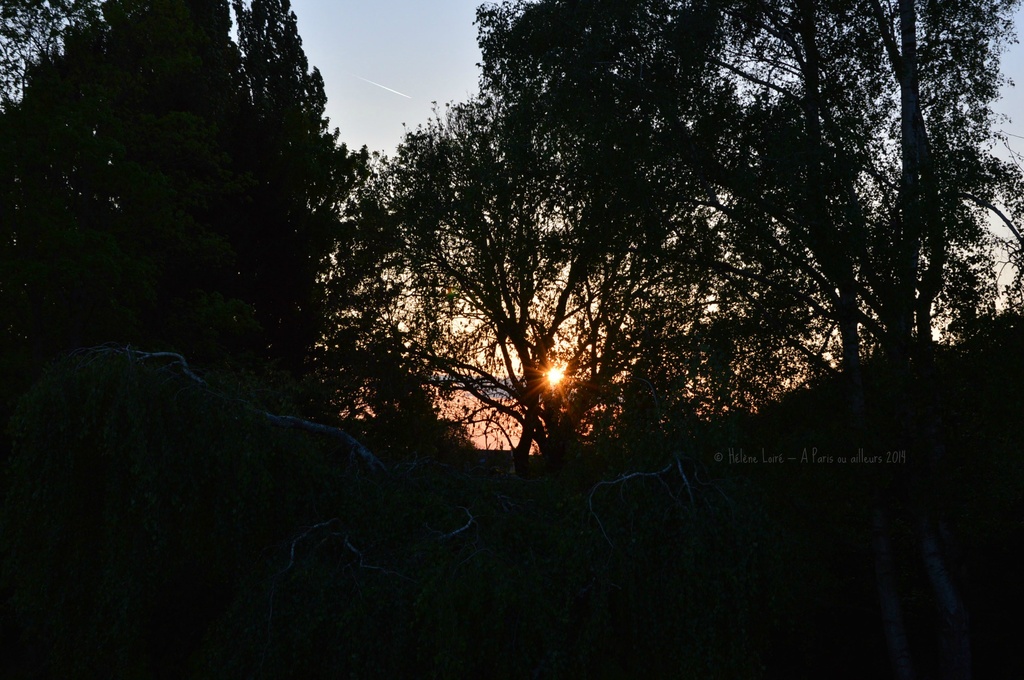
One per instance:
(555, 375)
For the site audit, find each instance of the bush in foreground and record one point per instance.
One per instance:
(156, 528)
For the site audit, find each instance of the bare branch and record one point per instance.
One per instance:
(686, 480)
(469, 522)
(178, 359)
(363, 565)
(618, 480)
(353, 445)
(754, 79)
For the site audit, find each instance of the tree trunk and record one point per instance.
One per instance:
(888, 593)
(555, 446)
(521, 453)
(558, 430)
(881, 544)
(954, 633)
(921, 227)
(935, 543)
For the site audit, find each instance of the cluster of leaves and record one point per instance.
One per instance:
(28, 29)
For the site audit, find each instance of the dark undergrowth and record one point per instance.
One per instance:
(156, 528)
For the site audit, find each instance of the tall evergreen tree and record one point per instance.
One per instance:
(108, 167)
(159, 184)
(283, 230)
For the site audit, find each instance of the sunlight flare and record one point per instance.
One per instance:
(555, 375)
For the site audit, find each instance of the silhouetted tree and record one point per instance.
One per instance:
(162, 187)
(109, 163)
(283, 228)
(515, 255)
(841, 155)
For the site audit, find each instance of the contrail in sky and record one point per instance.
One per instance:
(382, 86)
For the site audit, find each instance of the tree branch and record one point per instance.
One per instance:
(469, 523)
(619, 480)
(352, 445)
(999, 213)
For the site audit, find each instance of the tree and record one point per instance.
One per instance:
(514, 259)
(371, 381)
(136, 501)
(110, 162)
(587, 73)
(841, 152)
(30, 31)
(283, 226)
(135, 206)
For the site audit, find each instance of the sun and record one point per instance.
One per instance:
(555, 375)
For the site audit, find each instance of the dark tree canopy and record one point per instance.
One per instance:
(283, 227)
(517, 256)
(841, 154)
(110, 162)
(164, 186)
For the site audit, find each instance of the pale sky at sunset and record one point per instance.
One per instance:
(426, 50)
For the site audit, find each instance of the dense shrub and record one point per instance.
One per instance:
(155, 528)
(135, 499)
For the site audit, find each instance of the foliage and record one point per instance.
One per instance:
(109, 163)
(513, 258)
(770, 121)
(430, 573)
(824, 506)
(31, 31)
(283, 228)
(700, 209)
(154, 528)
(370, 379)
(136, 207)
(983, 481)
(135, 503)
(840, 157)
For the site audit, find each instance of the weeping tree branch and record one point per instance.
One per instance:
(353, 446)
(178, 359)
(456, 532)
(618, 480)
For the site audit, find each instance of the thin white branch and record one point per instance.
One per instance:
(178, 359)
(617, 480)
(999, 213)
(363, 565)
(352, 445)
(291, 563)
(686, 481)
(295, 542)
(451, 534)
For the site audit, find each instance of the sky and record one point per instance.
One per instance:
(1012, 102)
(424, 51)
